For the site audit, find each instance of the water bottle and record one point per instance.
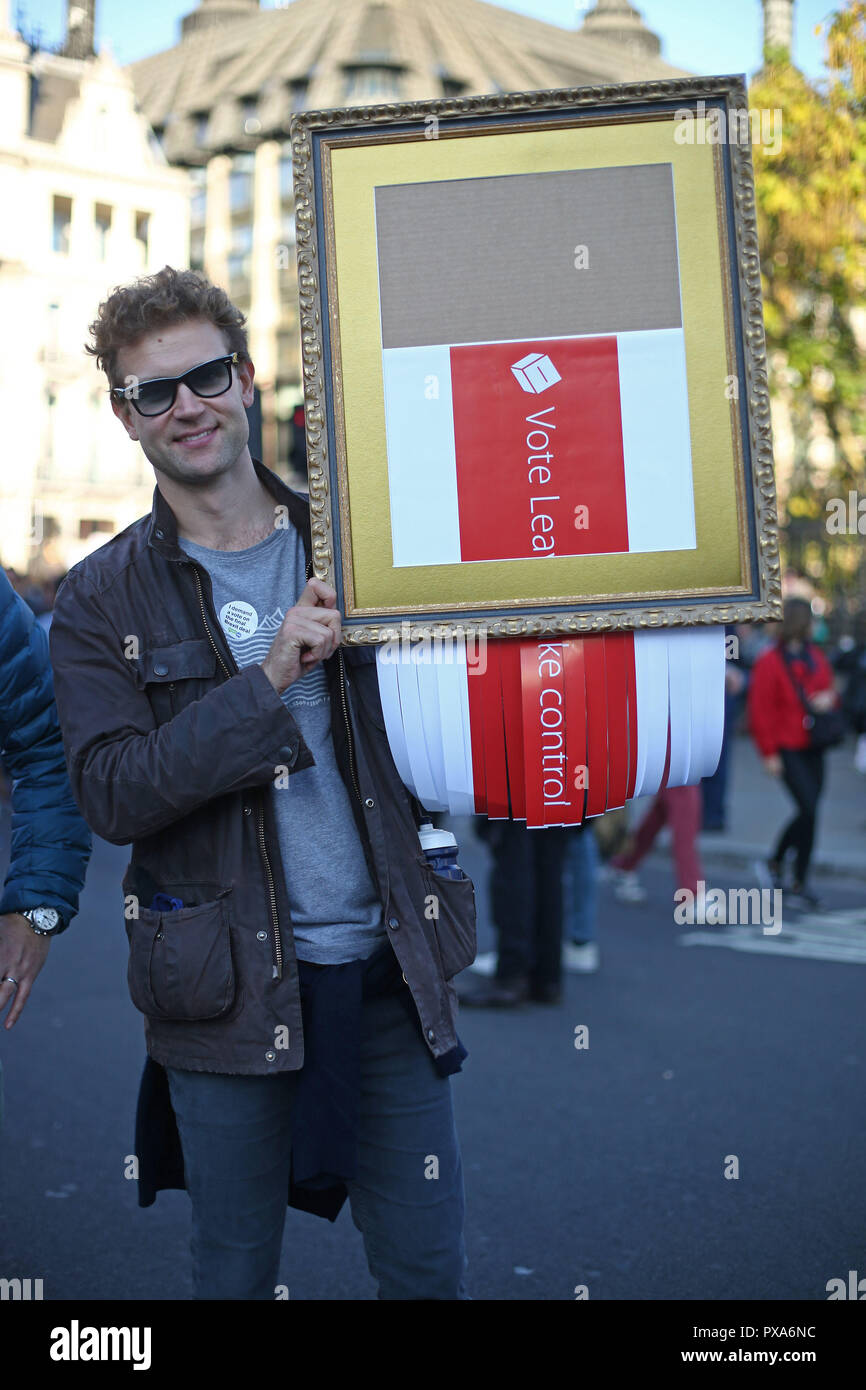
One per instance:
(440, 851)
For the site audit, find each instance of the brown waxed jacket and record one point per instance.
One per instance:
(172, 748)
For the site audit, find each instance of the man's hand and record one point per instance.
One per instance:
(22, 955)
(309, 633)
(773, 765)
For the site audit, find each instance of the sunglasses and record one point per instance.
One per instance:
(157, 396)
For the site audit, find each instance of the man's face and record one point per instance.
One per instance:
(198, 438)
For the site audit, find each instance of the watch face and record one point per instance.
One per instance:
(45, 918)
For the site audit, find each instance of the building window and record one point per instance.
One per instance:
(249, 115)
(201, 119)
(240, 255)
(142, 235)
(365, 83)
(196, 249)
(241, 182)
(89, 525)
(452, 88)
(61, 222)
(298, 93)
(102, 224)
(287, 181)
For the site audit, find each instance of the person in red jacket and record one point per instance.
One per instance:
(777, 722)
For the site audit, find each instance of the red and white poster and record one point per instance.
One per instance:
(520, 450)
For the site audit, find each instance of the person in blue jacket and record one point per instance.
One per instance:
(50, 843)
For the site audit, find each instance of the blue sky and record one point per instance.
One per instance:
(697, 35)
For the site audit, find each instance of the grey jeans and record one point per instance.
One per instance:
(235, 1133)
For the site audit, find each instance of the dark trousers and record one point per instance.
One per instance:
(236, 1134)
(714, 790)
(526, 898)
(803, 773)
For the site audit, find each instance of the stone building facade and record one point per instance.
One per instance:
(89, 201)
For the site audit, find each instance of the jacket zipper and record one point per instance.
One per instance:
(345, 702)
(278, 950)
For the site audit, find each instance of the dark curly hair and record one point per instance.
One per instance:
(156, 301)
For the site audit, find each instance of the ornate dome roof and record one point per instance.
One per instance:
(239, 71)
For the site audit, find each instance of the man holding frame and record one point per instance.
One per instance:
(294, 981)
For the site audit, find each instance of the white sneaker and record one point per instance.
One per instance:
(485, 964)
(583, 958)
(627, 887)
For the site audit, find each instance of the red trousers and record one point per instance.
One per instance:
(681, 808)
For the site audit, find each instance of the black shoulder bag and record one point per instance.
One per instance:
(826, 728)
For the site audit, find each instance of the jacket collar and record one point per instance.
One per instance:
(162, 531)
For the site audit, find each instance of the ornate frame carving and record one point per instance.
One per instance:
(329, 513)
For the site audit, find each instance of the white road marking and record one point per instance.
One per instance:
(833, 936)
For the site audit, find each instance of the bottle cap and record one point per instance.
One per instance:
(431, 838)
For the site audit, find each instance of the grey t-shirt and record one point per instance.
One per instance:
(336, 913)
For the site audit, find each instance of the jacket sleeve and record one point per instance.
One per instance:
(50, 843)
(132, 777)
(762, 704)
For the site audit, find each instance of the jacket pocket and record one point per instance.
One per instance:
(180, 963)
(176, 675)
(451, 907)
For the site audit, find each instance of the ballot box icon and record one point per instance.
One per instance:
(535, 372)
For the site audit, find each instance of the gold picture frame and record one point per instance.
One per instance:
(366, 178)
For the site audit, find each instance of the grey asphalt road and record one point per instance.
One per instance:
(602, 1166)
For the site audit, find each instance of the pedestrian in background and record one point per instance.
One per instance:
(850, 661)
(526, 906)
(678, 807)
(580, 950)
(50, 842)
(791, 678)
(714, 790)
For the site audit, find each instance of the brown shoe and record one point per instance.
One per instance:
(494, 993)
(546, 994)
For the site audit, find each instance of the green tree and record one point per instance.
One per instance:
(811, 205)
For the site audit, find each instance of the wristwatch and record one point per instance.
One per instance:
(45, 921)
